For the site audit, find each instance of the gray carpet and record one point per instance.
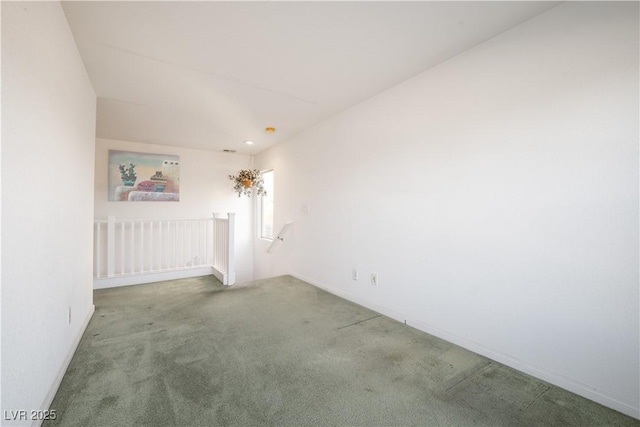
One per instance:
(282, 352)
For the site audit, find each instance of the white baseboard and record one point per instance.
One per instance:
(226, 279)
(138, 279)
(551, 377)
(46, 404)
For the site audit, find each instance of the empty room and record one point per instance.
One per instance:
(320, 213)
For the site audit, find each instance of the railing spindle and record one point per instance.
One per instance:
(131, 246)
(122, 224)
(141, 247)
(98, 250)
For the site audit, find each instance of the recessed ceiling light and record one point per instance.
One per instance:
(249, 142)
(270, 130)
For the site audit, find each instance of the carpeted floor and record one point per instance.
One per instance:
(284, 353)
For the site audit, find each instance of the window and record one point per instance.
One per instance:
(266, 207)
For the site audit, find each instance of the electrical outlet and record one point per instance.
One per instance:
(354, 274)
(374, 279)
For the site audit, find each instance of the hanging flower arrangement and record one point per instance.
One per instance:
(246, 181)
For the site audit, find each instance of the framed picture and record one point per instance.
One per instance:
(143, 177)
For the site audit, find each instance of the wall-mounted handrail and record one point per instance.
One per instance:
(279, 239)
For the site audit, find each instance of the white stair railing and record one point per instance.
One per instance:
(133, 247)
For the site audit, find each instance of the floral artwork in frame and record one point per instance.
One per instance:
(143, 177)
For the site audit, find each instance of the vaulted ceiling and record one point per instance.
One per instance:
(211, 75)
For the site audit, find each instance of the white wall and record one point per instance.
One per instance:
(48, 128)
(495, 195)
(204, 188)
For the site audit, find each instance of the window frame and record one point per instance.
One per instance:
(261, 208)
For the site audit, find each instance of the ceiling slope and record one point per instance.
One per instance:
(211, 75)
